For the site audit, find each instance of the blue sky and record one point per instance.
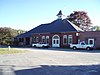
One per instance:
(27, 14)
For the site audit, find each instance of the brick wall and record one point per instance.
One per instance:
(84, 36)
(60, 35)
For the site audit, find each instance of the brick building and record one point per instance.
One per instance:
(91, 37)
(59, 33)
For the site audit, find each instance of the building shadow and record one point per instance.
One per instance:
(61, 70)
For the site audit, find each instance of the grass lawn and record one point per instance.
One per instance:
(11, 51)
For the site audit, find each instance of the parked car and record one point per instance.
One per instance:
(81, 45)
(40, 44)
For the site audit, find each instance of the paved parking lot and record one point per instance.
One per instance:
(52, 61)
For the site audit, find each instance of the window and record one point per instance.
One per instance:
(33, 39)
(78, 41)
(70, 39)
(82, 43)
(57, 42)
(21, 39)
(54, 41)
(47, 39)
(91, 41)
(37, 39)
(43, 39)
(65, 39)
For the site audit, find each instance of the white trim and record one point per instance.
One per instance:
(43, 38)
(64, 37)
(78, 41)
(37, 39)
(57, 41)
(76, 27)
(47, 37)
(70, 36)
(91, 40)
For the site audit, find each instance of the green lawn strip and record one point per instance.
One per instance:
(11, 51)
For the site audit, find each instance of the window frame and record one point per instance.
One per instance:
(43, 39)
(89, 41)
(37, 39)
(70, 37)
(64, 37)
(47, 39)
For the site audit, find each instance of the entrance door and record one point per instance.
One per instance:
(91, 41)
(27, 40)
(55, 41)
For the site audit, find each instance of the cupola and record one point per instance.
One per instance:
(59, 15)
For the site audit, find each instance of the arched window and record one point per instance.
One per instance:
(43, 39)
(65, 39)
(47, 39)
(70, 39)
(37, 39)
(33, 39)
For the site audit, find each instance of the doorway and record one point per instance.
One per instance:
(55, 41)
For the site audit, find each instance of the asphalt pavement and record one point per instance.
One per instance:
(52, 61)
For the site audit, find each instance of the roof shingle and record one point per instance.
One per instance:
(56, 26)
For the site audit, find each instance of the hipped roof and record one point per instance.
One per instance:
(56, 26)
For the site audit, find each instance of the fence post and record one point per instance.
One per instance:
(9, 48)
